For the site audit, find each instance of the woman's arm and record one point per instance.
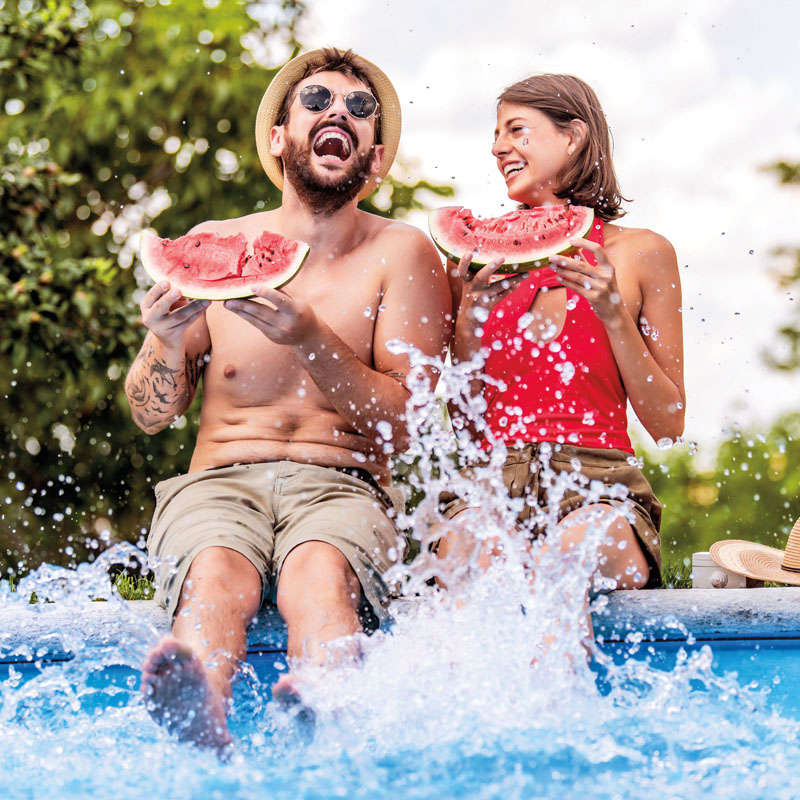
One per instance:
(474, 295)
(643, 320)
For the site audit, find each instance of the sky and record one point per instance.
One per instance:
(700, 96)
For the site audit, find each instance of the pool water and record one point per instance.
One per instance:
(770, 666)
(482, 692)
(729, 722)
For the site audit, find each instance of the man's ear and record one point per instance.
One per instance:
(276, 140)
(578, 133)
(377, 159)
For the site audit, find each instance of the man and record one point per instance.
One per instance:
(303, 401)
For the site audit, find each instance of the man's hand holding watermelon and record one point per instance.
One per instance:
(169, 315)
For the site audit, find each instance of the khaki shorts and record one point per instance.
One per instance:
(522, 476)
(264, 511)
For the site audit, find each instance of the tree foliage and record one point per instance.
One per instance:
(119, 114)
(789, 256)
(749, 491)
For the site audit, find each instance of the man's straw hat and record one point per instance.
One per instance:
(760, 561)
(276, 92)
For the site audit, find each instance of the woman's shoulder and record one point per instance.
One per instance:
(636, 240)
(640, 252)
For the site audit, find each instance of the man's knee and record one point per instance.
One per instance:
(318, 572)
(223, 573)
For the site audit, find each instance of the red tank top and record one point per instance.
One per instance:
(566, 390)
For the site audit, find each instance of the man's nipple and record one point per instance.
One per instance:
(229, 371)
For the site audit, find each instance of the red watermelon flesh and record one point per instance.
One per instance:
(525, 238)
(215, 267)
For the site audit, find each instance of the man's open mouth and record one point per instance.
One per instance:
(331, 143)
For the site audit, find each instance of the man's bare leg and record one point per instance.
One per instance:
(186, 678)
(318, 597)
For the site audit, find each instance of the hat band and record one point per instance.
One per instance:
(789, 569)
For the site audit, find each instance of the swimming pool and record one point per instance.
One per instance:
(444, 706)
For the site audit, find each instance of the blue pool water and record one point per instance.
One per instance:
(683, 721)
(771, 666)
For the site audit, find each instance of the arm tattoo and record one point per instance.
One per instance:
(195, 367)
(400, 376)
(157, 391)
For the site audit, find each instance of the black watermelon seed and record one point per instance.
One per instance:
(197, 244)
(186, 266)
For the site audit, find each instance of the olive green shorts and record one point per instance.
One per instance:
(523, 472)
(263, 511)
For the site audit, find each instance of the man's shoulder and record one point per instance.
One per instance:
(385, 231)
(246, 224)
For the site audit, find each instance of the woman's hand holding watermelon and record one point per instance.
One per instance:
(598, 284)
(477, 295)
(168, 314)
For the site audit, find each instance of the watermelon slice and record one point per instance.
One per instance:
(525, 238)
(210, 266)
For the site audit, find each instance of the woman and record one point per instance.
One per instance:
(568, 346)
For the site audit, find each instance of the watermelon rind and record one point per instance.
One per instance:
(225, 289)
(534, 256)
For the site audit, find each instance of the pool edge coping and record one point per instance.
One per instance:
(51, 632)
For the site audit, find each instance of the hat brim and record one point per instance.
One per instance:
(757, 561)
(273, 99)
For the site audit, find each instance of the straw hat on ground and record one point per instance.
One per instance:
(759, 561)
(278, 88)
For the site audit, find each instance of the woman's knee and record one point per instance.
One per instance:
(619, 553)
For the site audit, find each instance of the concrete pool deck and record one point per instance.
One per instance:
(48, 632)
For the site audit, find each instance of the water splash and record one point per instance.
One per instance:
(484, 690)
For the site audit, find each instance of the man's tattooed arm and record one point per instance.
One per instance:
(158, 392)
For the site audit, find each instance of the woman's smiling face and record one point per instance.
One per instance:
(531, 152)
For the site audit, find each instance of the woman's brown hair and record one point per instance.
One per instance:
(588, 179)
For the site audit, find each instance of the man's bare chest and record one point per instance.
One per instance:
(349, 307)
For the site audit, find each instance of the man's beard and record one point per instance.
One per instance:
(324, 194)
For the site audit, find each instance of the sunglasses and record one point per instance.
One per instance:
(359, 104)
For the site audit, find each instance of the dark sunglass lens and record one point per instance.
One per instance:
(361, 104)
(315, 98)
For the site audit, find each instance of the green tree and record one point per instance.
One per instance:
(789, 255)
(749, 491)
(117, 113)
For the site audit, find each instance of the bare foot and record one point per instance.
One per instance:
(178, 695)
(286, 693)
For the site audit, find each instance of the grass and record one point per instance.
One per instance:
(676, 575)
(129, 587)
(134, 587)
